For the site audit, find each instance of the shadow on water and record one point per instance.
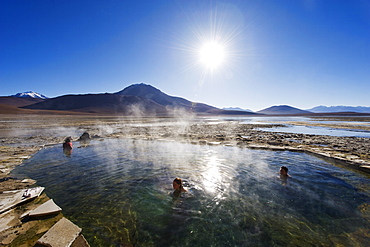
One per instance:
(119, 192)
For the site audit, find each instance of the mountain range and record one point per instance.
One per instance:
(141, 100)
(135, 100)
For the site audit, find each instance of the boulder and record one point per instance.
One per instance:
(85, 138)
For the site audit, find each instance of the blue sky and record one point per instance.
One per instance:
(301, 53)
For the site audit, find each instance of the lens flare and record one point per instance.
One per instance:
(210, 44)
(212, 54)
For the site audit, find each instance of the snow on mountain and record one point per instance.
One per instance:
(30, 94)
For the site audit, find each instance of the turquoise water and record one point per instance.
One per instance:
(120, 192)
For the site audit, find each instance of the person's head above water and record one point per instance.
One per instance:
(177, 185)
(68, 139)
(284, 171)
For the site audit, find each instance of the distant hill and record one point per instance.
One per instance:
(8, 109)
(235, 109)
(172, 102)
(102, 104)
(324, 109)
(282, 110)
(156, 95)
(18, 102)
(30, 94)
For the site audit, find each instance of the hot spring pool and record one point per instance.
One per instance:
(119, 190)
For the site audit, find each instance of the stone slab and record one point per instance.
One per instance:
(365, 168)
(46, 208)
(28, 180)
(62, 234)
(9, 199)
(7, 220)
(80, 242)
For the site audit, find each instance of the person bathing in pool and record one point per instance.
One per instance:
(284, 172)
(178, 187)
(67, 146)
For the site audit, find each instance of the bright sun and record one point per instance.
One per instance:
(212, 55)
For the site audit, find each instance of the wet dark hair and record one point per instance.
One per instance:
(284, 168)
(68, 139)
(178, 181)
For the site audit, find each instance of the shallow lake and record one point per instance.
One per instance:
(313, 130)
(120, 190)
(297, 129)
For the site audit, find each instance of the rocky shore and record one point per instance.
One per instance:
(21, 137)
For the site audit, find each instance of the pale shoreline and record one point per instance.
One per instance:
(23, 136)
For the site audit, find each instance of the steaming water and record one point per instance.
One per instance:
(122, 189)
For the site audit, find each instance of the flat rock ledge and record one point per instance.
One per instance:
(62, 234)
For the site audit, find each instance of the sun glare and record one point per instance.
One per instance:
(210, 43)
(212, 55)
